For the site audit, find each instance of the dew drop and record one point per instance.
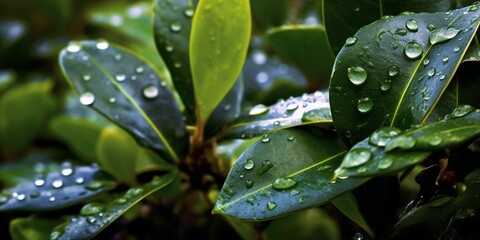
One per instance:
(51, 199)
(295, 192)
(248, 183)
(67, 169)
(385, 163)
(175, 27)
(443, 35)
(356, 157)
(431, 72)
(364, 105)
(258, 109)
(4, 198)
(292, 106)
(102, 45)
(39, 182)
(357, 75)
(442, 76)
(91, 209)
(283, 183)
(112, 100)
(266, 165)
(401, 32)
(271, 205)
(386, 85)
(86, 77)
(150, 92)
(290, 138)
(456, 49)
(80, 180)
(21, 197)
(426, 61)
(249, 164)
(57, 183)
(403, 142)
(462, 110)
(393, 71)
(413, 50)
(350, 41)
(382, 136)
(265, 139)
(73, 47)
(412, 25)
(188, 12)
(434, 140)
(87, 98)
(316, 114)
(95, 185)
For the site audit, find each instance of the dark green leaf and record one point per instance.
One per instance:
(94, 217)
(343, 18)
(393, 7)
(393, 71)
(267, 13)
(172, 25)
(128, 91)
(473, 52)
(347, 204)
(284, 172)
(305, 46)
(307, 109)
(218, 48)
(32, 228)
(54, 190)
(23, 112)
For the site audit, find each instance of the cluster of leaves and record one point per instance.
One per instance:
(257, 109)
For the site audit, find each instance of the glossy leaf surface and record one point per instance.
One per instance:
(348, 205)
(305, 46)
(128, 91)
(32, 228)
(94, 217)
(218, 48)
(56, 190)
(283, 172)
(307, 109)
(392, 72)
(172, 27)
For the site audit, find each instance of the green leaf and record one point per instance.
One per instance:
(347, 204)
(32, 228)
(218, 48)
(55, 190)
(473, 52)
(79, 134)
(94, 217)
(393, 71)
(7, 78)
(307, 109)
(343, 18)
(282, 173)
(393, 7)
(172, 26)
(305, 46)
(127, 90)
(267, 13)
(388, 151)
(19, 128)
(22, 170)
(117, 152)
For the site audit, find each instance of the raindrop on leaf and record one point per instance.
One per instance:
(356, 157)
(357, 75)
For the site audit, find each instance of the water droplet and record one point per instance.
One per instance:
(91, 220)
(86, 77)
(139, 69)
(382, 136)
(350, 41)
(426, 61)
(357, 75)
(413, 50)
(249, 164)
(443, 35)
(95, 185)
(463, 214)
(51, 199)
(55, 235)
(295, 192)
(386, 85)
(292, 106)
(266, 165)
(21, 197)
(150, 92)
(74, 47)
(431, 72)
(358, 236)
(412, 25)
(34, 194)
(290, 138)
(248, 183)
(403, 142)
(393, 71)
(175, 27)
(4, 198)
(271, 205)
(258, 109)
(57, 183)
(102, 45)
(80, 180)
(356, 157)
(283, 183)
(188, 12)
(265, 139)
(118, 57)
(39, 182)
(87, 98)
(456, 49)
(112, 100)
(67, 169)
(91, 209)
(462, 110)
(433, 140)
(442, 76)
(431, 27)
(316, 114)
(385, 163)
(121, 200)
(364, 105)
(401, 32)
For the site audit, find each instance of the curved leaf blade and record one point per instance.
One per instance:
(128, 91)
(308, 109)
(389, 75)
(32, 228)
(304, 160)
(172, 26)
(56, 190)
(305, 46)
(90, 223)
(348, 205)
(218, 48)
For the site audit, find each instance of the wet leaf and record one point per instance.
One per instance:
(394, 71)
(19, 128)
(308, 109)
(94, 217)
(305, 46)
(21, 170)
(218, 48)
(282, 173)
(128, 91)
(172, 27)
(32, 228)
(55, 190)
(348, 205)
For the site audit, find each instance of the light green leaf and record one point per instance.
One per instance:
(308, 109)
(32, 228)
(94, 217)
(282, 173)
(347, 204)
(393, 71)
(218, 48)
(128, 91)
(306, 47)
(55, 190)
(23, 112)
